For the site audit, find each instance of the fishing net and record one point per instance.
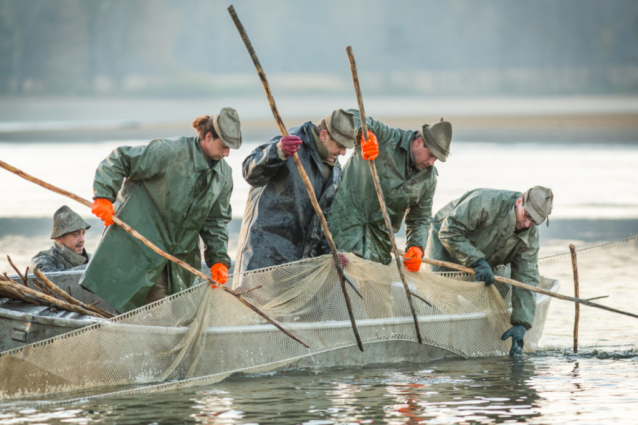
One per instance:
(201, 336)
(609, 269)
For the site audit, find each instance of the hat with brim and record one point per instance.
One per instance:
(437, 139)
(538, 203)
(228, 127)
(340, 124)
(65, 220)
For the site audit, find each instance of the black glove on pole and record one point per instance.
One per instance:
(483, 272)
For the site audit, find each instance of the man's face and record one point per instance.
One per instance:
(523, 219)
(332, 146)
(423, 158)
(74, 241)
(214, 149)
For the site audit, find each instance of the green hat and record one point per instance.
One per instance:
(65, 220)
(438, 138)
(340, 124)
(228, 128)
(538, 203)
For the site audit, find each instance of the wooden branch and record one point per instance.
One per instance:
(302, 172)
(379, 190)
(572, 250)
(68, 298)
(24, 278)
(149, 244)
(11, 285)
(516, 283)
(245, 291)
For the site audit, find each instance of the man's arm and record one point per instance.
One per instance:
(133, 162)
(525, 269)
(215, 230)
(418, 219)
(465, 218)
(383, 132)
(263, 163)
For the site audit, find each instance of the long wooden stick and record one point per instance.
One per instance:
(528, 287)
(377, 186)
(302, 172)
(572, 250)
(149, 244)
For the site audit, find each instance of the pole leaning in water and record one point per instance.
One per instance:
(513, 282)
(149, 244)
(572, 250)
(302, 172)
(377, 186)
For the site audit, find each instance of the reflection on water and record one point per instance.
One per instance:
(543, 388)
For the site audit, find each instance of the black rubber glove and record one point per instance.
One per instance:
(517, 332)
(483, 272)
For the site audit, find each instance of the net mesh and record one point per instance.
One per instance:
(201, 336)
(609, 269)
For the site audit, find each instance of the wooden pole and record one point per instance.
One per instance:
(149, 244)
(302, 172)
(528, 287)
(572, 250)
(377, 186)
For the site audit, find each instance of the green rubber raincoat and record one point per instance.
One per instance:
(171, 195)
(356, 222)
(481, 225)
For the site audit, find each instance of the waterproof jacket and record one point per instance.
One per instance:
(481, 225)
(171, 195)
(280, 224)
(59, 258)
(357, 223)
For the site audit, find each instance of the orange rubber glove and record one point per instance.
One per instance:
(412, 259)
(219, 272)
(103, 208)
(369, 149)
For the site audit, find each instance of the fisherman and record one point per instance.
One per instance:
(280, 224)
(486, 228)
(67, 252)
(175, 190)
(407, 175)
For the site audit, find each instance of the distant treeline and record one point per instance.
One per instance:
(190, 47)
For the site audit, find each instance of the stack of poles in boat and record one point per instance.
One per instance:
(47, 294)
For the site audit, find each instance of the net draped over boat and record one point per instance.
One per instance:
(201, 336)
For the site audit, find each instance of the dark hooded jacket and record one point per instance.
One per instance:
(280, 224)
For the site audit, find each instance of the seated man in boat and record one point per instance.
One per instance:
(407, 175)
(172, 191)
(280, 224)
(67, 252)
(486, 228)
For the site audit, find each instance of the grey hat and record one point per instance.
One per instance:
(340, 124)
(228, 127)
(438, 138)
(538, 203)
(65, 220)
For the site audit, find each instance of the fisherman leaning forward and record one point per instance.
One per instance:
(404, 160)
(280, 224)
(486, 228)
(170, 191)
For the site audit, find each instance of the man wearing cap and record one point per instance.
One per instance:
(486, 228)
(172, 191)
(280, 224)
(68, 251)
(405, 164)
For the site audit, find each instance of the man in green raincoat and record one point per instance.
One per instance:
(171, 191)
(486, 228)
(404, 161)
